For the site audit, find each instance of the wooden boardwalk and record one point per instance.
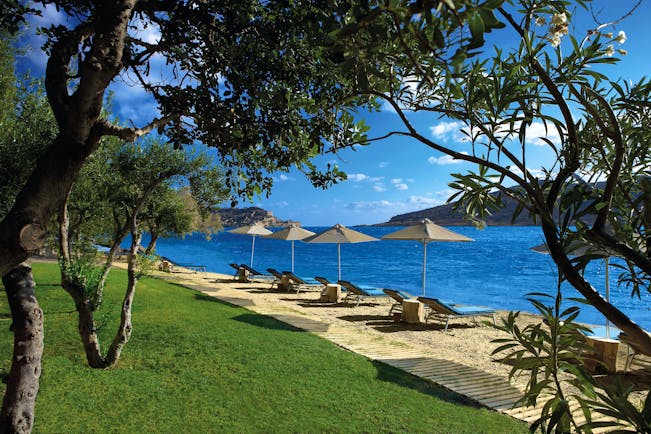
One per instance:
(486, 389)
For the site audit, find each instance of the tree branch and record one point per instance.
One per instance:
(130, 134)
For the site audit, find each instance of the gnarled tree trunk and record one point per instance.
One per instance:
(22, 230)
(17, 414)
(617, 317)
(124, 330)
(151, 247)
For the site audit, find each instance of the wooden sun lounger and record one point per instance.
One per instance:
(359, 293)
(398, 297)
(444, 311)
(256, 275)
(299, 283)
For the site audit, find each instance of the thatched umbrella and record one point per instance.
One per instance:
(339, 234)
(426, 232)
(291, 233)
(253, 230)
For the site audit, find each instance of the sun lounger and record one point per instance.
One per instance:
(322, 280)
(252, 274)
(237, 270)
(275, 273)
(251, 270)
(300, 283)
(445, 311)
(360, 293)
(398, 297)
(633, 350)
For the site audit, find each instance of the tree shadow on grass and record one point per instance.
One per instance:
(232, 301)
(266, 322)
(289, 322)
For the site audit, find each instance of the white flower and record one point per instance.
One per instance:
(541, 21)
(622, 52)
(555, 40)
(559, 19)
(621, 37)
(610, 50)
(558, 26)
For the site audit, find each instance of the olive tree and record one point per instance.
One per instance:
(130, 182)
(431, 57)
(248, 78)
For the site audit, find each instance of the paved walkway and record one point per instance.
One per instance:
(486, 389)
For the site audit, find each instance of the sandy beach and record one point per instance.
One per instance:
(464, 342)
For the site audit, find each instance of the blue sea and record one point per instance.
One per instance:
(497, 270)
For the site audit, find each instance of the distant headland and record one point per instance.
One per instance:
(247, 216)
(444, 215)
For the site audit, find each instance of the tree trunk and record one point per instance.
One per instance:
(124, 330)
(64, 223)
(614, 315)
(151, 248)
(88, 334)
(86, 325)
(22, 231)
(17, 415)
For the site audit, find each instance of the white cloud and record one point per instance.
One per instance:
(409, 90)
(537, 173)
(379, 187)
(443, 130)
(421, 202)
(398, 184)
(283, 177)
(150, 33)
(457, 131)
(445, 160)
(537, 130)
(49, 15)
(357, 177)
(382, 164)
(413, 203)
(372, 204)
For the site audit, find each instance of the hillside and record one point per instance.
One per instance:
(445, 216)
(247, 216)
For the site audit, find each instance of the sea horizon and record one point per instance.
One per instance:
(497, 270)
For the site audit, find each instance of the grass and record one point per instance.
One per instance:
(195, 364)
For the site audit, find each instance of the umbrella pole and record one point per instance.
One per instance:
(292, 256)
(339, 259)
(252, 250)
(424, 264)
(606, 260)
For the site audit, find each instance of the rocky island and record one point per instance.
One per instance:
(246, 216)
(445, 215)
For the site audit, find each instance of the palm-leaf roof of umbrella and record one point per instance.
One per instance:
(426, 231)
(290, 233)
(254, 229)
(339, 234)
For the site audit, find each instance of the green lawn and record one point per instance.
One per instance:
(195, 364)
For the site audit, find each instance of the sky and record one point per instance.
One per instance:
(388, 177)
